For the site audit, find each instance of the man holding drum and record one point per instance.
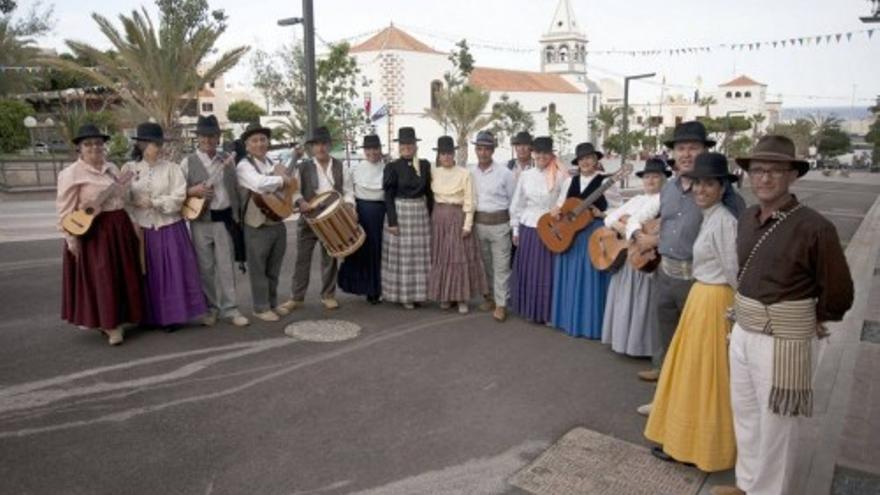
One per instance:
(321, 174)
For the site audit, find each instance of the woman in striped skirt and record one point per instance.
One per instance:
(457, 273)
(536, 193)
(406, 244)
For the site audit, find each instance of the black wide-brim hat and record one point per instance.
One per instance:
(655, 165)
(88, 131)
(485, 138)
(522, 137)
(320, 135)
(584, 149)
(711, 165)
(774, 148)
(406, 135)
(542, 144)
(692, 131)
(255, 128)
(445, 144)
(207, 126)
(150, 132)
(372, 141)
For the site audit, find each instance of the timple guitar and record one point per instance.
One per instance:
(79, 221)
(193, 206)
(645, 260)
(558, 234)
(277, 205)
(608, 248)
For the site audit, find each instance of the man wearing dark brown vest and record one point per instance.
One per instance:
(321, 174)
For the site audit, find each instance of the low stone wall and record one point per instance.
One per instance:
(31, 174)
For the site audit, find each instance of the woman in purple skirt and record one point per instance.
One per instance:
(536, 193)
(173, 289)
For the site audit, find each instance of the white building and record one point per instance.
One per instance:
(405, 73)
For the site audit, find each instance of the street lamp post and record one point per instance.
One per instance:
(308, 22)
(624, 151)
(30, 122)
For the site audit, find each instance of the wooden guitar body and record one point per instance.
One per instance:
(192, 207)
(607, 249)
(278, 205)
(649, 259)
(558, 235)
(78, 222)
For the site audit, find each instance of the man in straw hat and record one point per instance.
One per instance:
(211, 175)
(680, 224)
(793, 277)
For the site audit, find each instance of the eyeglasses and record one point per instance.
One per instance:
(774, 173)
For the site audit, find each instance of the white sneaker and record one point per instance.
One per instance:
(644, 410)
(409, 306)
(267, 316)
(289, 305)
(209, 320)
(115, 336)
(445, 305)
(281, 311)
(239, 321)
(463, 308)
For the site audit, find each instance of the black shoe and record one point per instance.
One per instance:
(172, 328)
(659, 454)
(374, 300)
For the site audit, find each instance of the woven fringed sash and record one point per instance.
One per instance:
(792, 324)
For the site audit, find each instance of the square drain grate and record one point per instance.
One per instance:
(586, 462)
(871, 331)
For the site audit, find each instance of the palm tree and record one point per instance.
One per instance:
(707, 102)
(155, 75)
(607, 118)
(290, 128)
(462, 109)
(756, 121)
(820, 125)
(15, 51)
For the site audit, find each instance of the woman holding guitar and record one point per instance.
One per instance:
(101, 279)
(174, 290)
(536, 193)
(579, 289)
(630, 324)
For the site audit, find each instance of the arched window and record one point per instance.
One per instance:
(563, 53)
(436, 87)
(729, 94)
(748, 94)
(738, 94)
(549, 54)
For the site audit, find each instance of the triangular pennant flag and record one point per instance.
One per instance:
(870, 33)
(792, 41)
(750, 46)
(801, 41)
(828, 38)
(774, 44)
(838, 36)
(783, 43)
(849, 36)
(758, 46)
(818, 39)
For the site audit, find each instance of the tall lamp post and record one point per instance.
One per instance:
(625, 124)
(308, 22)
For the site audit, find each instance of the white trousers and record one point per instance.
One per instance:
(495, 247)
(765, 441)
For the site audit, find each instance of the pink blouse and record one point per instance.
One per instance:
(80, 184)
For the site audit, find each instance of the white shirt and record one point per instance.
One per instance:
(715, 259)
(363, 180)
(258, 181)
(640, 209)
(164, 185)
(494, 187)
(220, 199)
(532, 198)
(612, 194)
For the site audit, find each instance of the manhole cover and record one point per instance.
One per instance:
(586, 462)
(323, 330)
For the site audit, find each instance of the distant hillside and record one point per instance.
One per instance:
(845, 113)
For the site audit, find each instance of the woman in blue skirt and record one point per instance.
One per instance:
(579, 290)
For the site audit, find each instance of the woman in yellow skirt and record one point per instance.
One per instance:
(691, 417)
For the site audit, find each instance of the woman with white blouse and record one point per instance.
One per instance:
(691, 416)
(536, 193)
(173, 288)
(630, 324)
(457, 273)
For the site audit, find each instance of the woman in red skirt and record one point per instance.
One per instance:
(102, 278)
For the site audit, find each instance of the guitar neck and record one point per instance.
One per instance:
(592, 198)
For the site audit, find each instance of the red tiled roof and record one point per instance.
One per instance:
(520, 81)
(743, 81)
(392, 38)
(206, 93)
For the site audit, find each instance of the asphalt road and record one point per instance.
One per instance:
(423, 401)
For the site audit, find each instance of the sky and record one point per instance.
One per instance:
(505, 34)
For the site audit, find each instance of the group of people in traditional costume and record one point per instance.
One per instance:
(728, 395)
